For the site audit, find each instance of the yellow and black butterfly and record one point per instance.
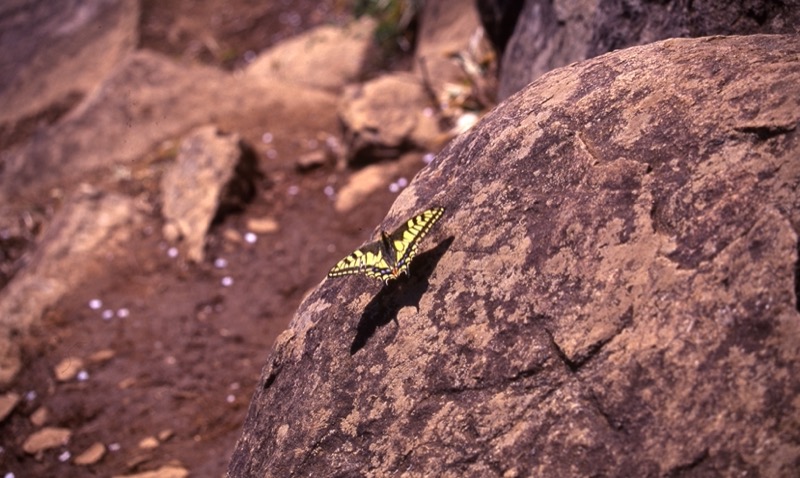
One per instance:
(391, 254)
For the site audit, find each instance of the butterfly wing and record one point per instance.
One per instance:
(405, 239)
(371, 259)
(368, 260)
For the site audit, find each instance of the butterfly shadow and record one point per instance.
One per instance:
(406, 290)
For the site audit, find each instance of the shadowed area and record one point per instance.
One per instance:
(406, 290)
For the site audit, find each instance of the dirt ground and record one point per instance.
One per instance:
(180, 357)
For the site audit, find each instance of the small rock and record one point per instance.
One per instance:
(168, 471)
(7, 404)
(232, 235)
(380, 116)
(148, 443)
(92, 455)
(10, 362)
(361, 184)
(312, 160)
(171, 232)
(40, 416)
(46, 438)
(102, 356)
(165, 434)
(68, 368)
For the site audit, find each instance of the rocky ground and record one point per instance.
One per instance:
(148, 360)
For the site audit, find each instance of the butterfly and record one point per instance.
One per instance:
(391, 254)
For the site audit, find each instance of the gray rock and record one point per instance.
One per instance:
(611, 292)
(211, 174)
(551, 34)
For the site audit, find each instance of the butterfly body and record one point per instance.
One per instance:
(391, 254)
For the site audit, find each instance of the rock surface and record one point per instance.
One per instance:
(551, 34)
(612, 291)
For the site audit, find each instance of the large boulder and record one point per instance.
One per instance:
(54, 53)
(611, 292)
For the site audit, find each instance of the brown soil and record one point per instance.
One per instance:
(186, 358)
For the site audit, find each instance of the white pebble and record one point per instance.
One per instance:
(293, 190)
(108, 314)
(123, 313)
(83, 376)
(227, 281)
(31, 395)
(394, 187)
(9, 475)
(220, 263)
(329, 191)
(428, 158)
(95, 304)
(172, 252)
(266, 138)
(250, 237)
(64, 457)
(402, 182)
(114, 447)
(230, 398)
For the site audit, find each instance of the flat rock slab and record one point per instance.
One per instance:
(612, 290)
(148, 99)
(194, 188)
